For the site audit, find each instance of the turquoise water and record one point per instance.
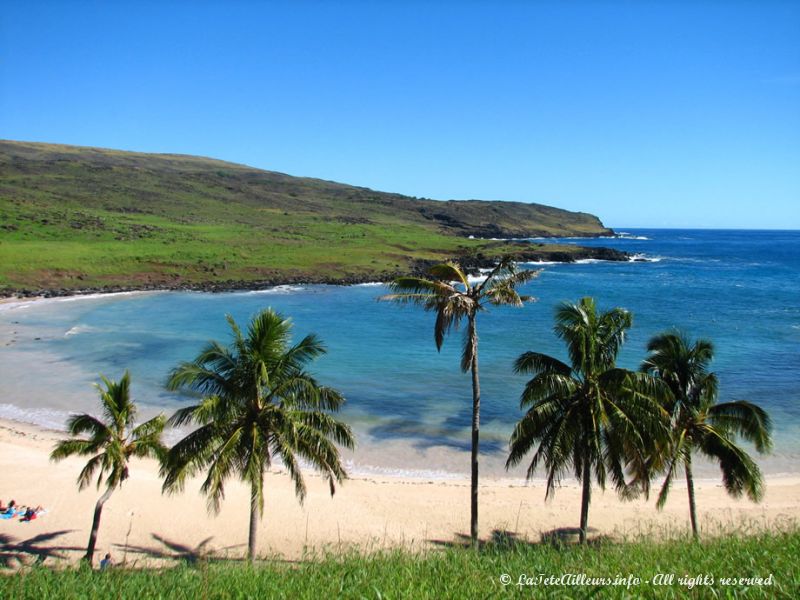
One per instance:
(409, 404)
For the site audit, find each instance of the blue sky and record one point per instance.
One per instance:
(650, 114)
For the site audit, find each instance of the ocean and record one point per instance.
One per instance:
(409, 405)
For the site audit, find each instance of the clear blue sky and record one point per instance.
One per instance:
(647, 114)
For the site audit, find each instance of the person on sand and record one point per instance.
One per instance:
(106, 562)
(31, 513)
(11, 507)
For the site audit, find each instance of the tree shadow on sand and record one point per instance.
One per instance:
(38, 547)
(173, 550)
(501, 539)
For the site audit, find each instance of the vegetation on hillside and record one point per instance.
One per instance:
(78, 218)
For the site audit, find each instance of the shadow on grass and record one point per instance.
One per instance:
(501, 539)
(37, 547)
(173, 550)
(567, 536)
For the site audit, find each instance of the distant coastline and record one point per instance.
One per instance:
(77, 218)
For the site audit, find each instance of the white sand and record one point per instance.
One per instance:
(368, 512)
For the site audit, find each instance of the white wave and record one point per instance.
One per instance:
(513, 239)
(369, 284)
(278, 289)
(702, 261)
(42, 417)
(540, 263)
(79, 329)
(366, 470)
(16, 305)
(624, 235)
(645, 258)
(24, 303)
(621, 235)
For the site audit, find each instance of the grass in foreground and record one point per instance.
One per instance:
(495, 571)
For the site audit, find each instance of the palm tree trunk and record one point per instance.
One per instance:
(690, 488)
(98, 510)
(251, 540)
(476, 421)
(585, 499)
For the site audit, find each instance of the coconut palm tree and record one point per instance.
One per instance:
(699, 423)
(589, 415)
(257, 403)
(113, 440)
(449, 294)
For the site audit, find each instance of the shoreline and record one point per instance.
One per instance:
(366, 513)
(25, 429)
(471, 263)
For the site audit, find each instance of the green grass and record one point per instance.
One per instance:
(74, 217)
(454, 573)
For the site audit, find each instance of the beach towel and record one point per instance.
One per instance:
(9, 514)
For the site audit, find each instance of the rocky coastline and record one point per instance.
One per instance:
(472, 263)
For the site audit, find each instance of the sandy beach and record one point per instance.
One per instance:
(141, 526)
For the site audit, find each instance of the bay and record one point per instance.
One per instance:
(410, 405)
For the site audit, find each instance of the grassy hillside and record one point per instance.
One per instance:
(75, 217)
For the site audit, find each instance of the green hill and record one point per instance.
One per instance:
(75, 217)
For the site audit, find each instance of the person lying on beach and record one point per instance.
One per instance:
(10, 511)
(31, 513)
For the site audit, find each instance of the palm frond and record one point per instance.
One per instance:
(502, 288)
(66, 448)
(202, 379)
(677, 454)
(116, 402)
(446, 319)
(84, 423)
(280, 447)
(146, 439)
(546, 387)
(327, 425)
(740, 474)
(536, 362)
(418, 290)
(746, 419)
(189, 455)
(448, 272)
(302, 353)
(221, 466)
